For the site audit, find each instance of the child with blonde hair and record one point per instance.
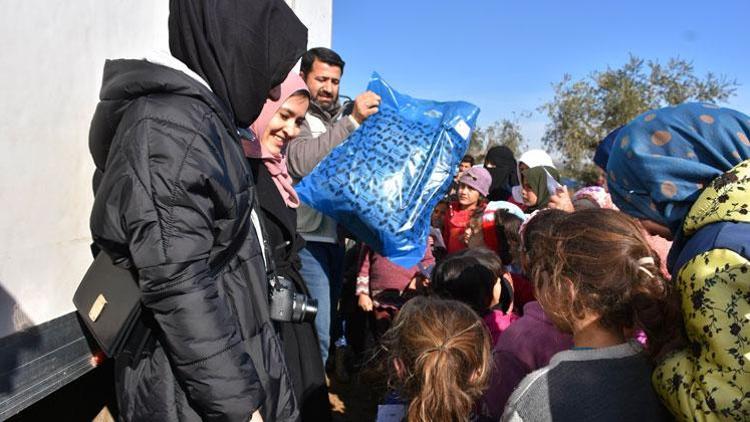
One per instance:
(437, 359)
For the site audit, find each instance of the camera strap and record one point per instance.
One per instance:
(269, 261)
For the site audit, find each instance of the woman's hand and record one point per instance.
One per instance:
(365, 302)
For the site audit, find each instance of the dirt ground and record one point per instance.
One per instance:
(354, 401)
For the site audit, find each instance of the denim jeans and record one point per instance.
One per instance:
(321, 270)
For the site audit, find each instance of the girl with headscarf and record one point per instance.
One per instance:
(265, 145)
(534, 190)
(501, 165)
(685, 172)
(527, 160)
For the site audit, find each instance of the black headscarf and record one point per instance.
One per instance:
(503, 174)
(241, 48)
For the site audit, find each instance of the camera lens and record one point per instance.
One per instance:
(310, 309)
(304, 308)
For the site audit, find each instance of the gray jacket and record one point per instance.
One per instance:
(320, 133)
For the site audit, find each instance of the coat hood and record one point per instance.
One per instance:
(125, 81)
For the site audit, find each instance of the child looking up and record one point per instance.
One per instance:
(438, 359)
(473, 186)
(600, 281)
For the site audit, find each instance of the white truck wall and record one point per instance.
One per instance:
(51, 59)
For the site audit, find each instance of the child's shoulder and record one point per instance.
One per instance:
(531, 391)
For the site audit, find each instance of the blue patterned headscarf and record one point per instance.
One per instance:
(662, 159)
(605, 148)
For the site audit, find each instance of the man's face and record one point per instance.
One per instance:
(463, 166)
(323, 81)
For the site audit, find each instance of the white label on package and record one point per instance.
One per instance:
(462, 128)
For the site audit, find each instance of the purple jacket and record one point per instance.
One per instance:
(525, 346)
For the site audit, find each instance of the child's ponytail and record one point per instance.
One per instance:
(444, 354)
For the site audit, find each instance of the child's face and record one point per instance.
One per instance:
(528, 195)
(438, 215)
(467, 196)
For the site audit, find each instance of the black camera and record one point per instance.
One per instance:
(288, 306)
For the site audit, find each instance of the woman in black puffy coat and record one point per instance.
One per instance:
(174, 198)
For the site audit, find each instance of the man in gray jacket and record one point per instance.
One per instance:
(324, 128)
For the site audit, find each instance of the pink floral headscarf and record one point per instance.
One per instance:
(598, 195)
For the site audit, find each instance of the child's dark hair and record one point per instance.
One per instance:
(464, 278)
(507, 226)
(601, 263)
(490, 260)
(438, 356)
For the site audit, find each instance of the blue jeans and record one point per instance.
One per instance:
(321, 270)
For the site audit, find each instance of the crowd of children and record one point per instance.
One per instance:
(540, 305)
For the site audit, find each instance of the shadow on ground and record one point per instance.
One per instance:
(353, 401)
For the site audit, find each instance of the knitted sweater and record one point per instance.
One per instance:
(606, 384)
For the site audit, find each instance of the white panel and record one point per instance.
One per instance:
(51, 60)
(317, 15)
(51, 56)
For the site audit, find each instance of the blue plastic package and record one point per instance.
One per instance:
(384, 180)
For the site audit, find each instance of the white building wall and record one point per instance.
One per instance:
(51, 60)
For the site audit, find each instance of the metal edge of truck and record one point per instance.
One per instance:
(40, 360)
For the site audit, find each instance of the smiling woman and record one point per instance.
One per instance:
(285, 124)
(277, 125)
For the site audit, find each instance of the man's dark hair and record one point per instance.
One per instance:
(468, 159)
(325, 55)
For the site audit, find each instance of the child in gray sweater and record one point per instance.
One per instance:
(599, 280)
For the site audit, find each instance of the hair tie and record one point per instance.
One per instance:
(439, 348)
(646, 260)
(442, 347)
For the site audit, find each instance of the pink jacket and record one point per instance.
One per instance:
(527, 345)
(497, 322)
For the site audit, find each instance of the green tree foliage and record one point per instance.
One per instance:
(502, 132)
(584, 111)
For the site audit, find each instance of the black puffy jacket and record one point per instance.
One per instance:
(173, 199)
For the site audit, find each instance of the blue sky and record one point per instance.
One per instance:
(503, 55)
